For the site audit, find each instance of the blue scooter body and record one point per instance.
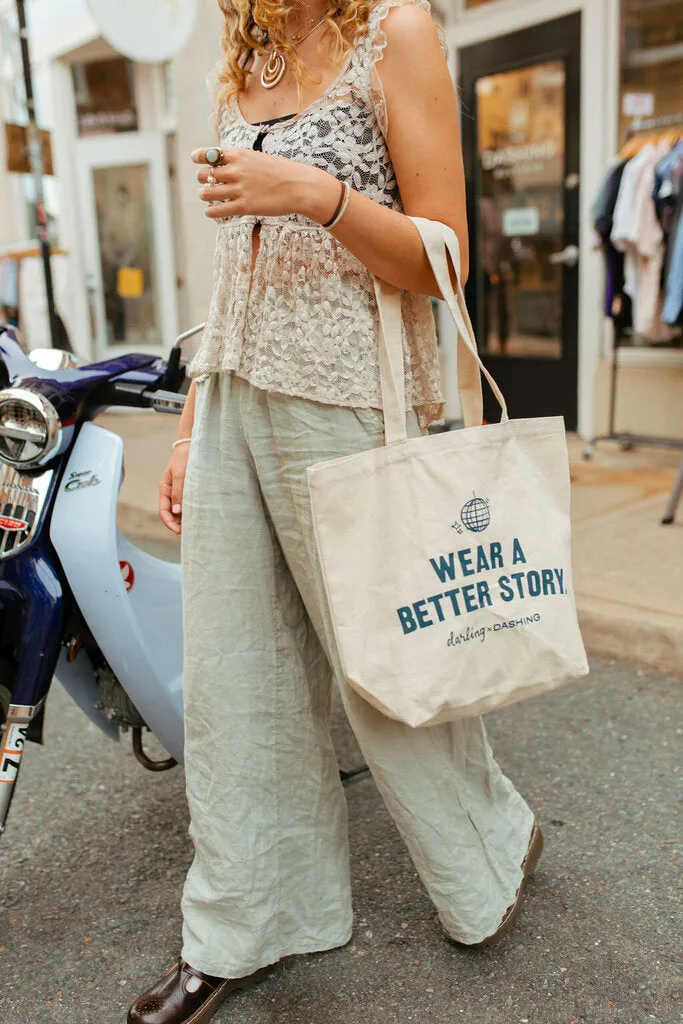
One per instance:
(65, 607)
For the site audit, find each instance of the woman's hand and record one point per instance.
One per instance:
(171, 489)
(251, 183)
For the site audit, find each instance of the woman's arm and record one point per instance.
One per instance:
(425, 148)
(172, 483)
(186, 421)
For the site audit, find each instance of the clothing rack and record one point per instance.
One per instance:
(626, 439)
(649, 124)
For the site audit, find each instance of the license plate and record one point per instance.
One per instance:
(12, 749)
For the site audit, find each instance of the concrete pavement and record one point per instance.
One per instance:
(96, 849)
(628, 568)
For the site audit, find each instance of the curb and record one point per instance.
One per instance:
(621, 633)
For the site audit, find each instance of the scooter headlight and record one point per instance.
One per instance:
(30, 428)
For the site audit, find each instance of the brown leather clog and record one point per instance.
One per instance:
(529, 863)
(186, 996)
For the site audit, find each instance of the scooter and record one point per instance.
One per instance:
(78, 601)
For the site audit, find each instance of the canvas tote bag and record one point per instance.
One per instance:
(446, 558)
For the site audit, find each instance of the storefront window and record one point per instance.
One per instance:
(124, 221)
(521, 145)
(651, 61)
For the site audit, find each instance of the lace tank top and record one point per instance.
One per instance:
(306, 322)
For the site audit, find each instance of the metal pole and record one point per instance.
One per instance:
(57, 331)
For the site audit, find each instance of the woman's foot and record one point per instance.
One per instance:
(186, 996)
(533, 855)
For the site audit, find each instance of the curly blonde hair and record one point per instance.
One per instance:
(254, 24)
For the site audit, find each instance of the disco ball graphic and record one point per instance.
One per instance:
(475, 515)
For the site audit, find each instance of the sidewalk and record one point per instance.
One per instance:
(628, 568)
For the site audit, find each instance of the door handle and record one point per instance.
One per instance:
(569, 256)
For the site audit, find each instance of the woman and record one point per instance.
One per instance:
(336, 121)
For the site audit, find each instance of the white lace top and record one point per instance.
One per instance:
(306, 324)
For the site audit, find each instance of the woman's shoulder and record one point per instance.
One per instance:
(402, 11)
(401, 24)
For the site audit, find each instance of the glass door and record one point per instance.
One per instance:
(521, 145)
(128, 243)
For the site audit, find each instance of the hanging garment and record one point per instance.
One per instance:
(667, 186)
(602, 209)
(617, 305)
(638, 233)
(623, 228)
(648, 245)
(669, 189)
(672, 312)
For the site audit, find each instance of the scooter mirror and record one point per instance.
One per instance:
(55, 359)
(188, 334)
(175, 374)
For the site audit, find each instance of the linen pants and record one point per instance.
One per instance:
(270, 875)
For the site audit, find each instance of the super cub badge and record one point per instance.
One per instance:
(77, 481)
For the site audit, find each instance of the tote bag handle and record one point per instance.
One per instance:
(438, 240)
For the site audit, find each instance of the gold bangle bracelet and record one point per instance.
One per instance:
(341, 208)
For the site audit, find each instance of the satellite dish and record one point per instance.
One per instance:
(146, 30)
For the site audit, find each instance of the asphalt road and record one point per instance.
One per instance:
(92, 864)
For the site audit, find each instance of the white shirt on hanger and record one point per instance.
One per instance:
(624, 224)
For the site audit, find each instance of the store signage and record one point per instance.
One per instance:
(638, 104)
(514, 156)
(104, 97)
(16, 139)
(104, 121)
(525, 220)
(146, 30)
(529, 160)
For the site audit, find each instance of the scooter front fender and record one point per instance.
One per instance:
(136, 621)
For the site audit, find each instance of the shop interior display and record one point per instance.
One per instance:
(638, 218)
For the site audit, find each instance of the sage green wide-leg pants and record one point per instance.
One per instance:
(270, 876)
